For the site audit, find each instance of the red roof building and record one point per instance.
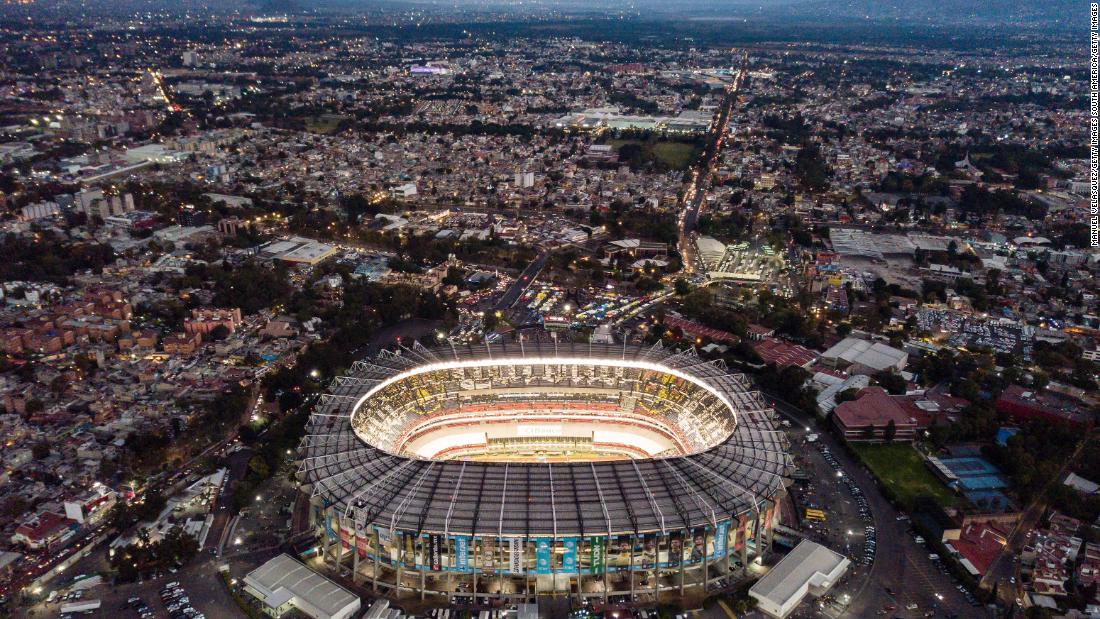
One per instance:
(867, 417)
(978, 546)
(1028, 404)
(695, 329)
(43, 531)
(784, 354)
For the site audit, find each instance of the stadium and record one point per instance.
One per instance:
(507, 471)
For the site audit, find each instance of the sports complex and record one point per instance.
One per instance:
(507, 471)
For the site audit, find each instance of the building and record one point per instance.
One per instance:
(508, 470)
(91, 506)
(1025, 404)
(283, 584)
(44, 530)
(978, 546)
(809, 569)
(860, 356)
(181, 343)
(298, 250)
(784, 354)
(205, 319)
(868, 417)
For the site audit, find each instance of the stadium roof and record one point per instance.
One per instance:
(372, 486)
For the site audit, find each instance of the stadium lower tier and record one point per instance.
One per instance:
(656, 566)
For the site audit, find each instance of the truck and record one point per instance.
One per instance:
(79, 607)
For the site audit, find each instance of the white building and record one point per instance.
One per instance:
(809, 569)
(283, 584)
(865, 357)
(524, 180)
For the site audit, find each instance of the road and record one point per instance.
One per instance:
(1004, 573)
(901, 574)
(696, 193)
(523, 282)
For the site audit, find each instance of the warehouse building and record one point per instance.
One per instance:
(284, 584)
(809, 569)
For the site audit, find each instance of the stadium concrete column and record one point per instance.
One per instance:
(759, 535)
(451, 571)
(681, 560)
(355, 557)
(606, 575)
(656, 570)
(377, 551)
(769, 526)
(400, 566)
(632, 537)
(744, 535)
(423, 578)
(326, 541)
(706, 563)
(339, 543)
(726, 550)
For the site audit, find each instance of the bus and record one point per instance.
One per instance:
(816, 515)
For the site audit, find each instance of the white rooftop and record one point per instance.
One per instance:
(874, 355)
(809, 568)
(284, 579)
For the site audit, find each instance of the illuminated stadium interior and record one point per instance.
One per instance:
(555, 410)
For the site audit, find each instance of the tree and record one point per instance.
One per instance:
(258, 466)
(219, 333)
(891, 382)
(683, 287)
(847, 395)
(890, 432)
(41, 450)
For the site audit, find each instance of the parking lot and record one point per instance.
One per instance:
(902, 581)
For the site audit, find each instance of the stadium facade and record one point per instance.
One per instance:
(507, 471)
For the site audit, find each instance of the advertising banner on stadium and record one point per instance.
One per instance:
(515, 555)
(597, 554)
(698, 545)
(435, 552)
(675, 549)
(388, 549)
(720, 535)
(408, 556)
(647, 558)
(487, 555)
(542, 555)
(462, 553)
(569, 557)
(618, 554)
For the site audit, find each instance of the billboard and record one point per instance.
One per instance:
(542, 555)
(435, 552)
(597, 554)
(721, 535)
(569, 555)
(462, 553)
(515, 555)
